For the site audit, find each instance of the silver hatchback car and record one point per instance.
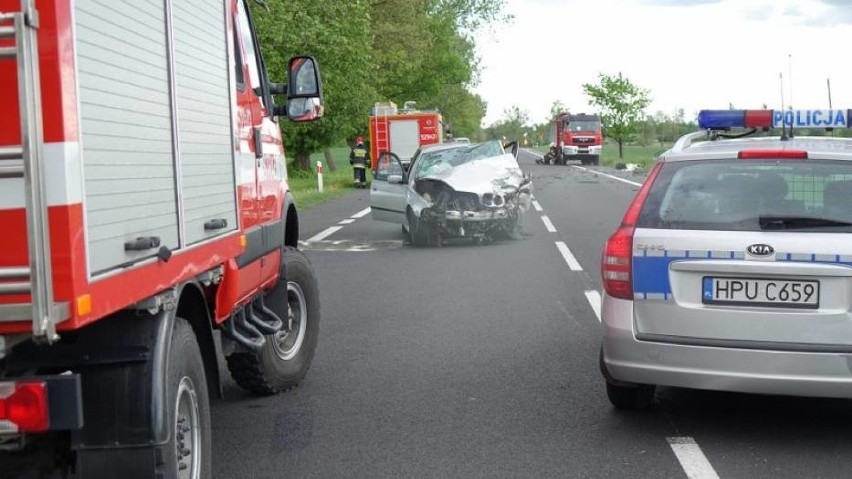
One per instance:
(732, 268)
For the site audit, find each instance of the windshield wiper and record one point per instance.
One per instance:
(775, 222)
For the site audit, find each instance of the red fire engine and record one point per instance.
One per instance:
(148, 227)
(577, 137)
(402, 131)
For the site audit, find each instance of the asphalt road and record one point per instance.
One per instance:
(482, 361)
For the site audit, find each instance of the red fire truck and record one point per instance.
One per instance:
(148, 228)
(402, 131)
(577, 137)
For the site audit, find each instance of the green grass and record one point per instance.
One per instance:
(643, 155)
(303, 184)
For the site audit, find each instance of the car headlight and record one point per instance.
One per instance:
(493, 200)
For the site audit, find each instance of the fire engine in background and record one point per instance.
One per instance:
(148, 228)
(576, 137)
(402, 131)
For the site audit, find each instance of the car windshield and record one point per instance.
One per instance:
(737, 195)
(433, 162)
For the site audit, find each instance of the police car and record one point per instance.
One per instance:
(732, 268)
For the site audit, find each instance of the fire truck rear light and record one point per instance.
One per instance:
(24, 407)
(773, 154)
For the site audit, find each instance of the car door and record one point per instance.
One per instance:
(387, 193)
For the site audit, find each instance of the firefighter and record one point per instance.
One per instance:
(359, 158)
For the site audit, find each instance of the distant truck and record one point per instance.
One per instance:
(402, 131)
(576, 137)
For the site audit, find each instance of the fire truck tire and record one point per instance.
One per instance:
(285, 358)
(596, 160)
(189, 447)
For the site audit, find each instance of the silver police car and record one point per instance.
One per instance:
(732, 268)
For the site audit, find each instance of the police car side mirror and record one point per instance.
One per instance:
(304, 90)
(395, 179)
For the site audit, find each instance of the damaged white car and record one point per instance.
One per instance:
(475, 191)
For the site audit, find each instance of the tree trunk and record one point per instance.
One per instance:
(620, 148)
(302, 161)
(329, 160)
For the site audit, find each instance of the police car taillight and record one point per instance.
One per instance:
(773, 154)
(24, 407)
(617, 261)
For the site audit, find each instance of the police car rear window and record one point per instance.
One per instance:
(738, 195)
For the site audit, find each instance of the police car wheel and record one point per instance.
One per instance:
(632, 397)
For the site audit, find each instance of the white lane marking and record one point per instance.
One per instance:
(347, 221)
(608, 176)
(537, 206)
(573, 264)
(595, 302)
(325, 233)
(362, 213)
(691, 459)
(548, 224)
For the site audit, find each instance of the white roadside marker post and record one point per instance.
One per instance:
(319, 176)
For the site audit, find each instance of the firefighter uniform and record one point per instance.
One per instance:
(359, 157)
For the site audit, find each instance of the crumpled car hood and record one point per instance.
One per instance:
(483, 176)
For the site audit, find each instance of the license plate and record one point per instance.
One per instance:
(781, 293)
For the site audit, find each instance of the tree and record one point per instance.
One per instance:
(622, 106)
(556, 108)
(338, 35)
(512, 126)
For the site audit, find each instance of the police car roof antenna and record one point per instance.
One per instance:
(783, 126)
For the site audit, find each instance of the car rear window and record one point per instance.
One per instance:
(738, 195)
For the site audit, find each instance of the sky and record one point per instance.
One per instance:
(690, 54)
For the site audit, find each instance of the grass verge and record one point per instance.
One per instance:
(303, 184)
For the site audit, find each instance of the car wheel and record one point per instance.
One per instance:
(626, 395)
(417, 234)
(632, 397)
(286, 356)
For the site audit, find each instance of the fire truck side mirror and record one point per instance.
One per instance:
(304, 90)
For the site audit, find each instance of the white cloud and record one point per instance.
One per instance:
(704, 55)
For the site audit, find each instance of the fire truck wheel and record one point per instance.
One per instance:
(188, 453)
(286, 356)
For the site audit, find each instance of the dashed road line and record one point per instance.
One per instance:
(324, 233)
(537, 206)
(607, 175)
(348, 221)
(573, 264)
(362, 213)
(548, 224)
(595, 302)
(691, 459)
